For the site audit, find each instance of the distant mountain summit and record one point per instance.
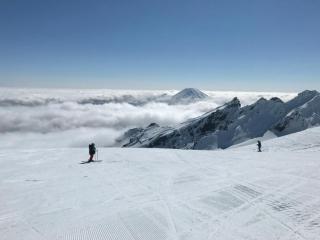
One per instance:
(231, 124)
(187, 95)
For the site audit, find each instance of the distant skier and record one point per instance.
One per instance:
(92, 151)
(259, 146)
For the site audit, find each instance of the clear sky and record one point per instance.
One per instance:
(270, 45)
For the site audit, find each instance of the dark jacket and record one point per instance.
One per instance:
(92, 149)
(259, 144)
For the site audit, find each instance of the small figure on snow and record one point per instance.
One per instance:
(92, 151)
(259, 146)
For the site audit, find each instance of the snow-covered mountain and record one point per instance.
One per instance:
(232, 124)
(187, 95)
(305, 115)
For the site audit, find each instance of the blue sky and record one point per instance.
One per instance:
(252, 45)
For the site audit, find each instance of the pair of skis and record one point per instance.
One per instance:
(93, 161)
(96, 160)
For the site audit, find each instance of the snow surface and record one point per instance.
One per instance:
(137, 194)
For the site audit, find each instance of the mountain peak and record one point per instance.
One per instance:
(152, 125)
(307, 93)
(188, 95)
(235, 102)
(301, 99)
(276, 99)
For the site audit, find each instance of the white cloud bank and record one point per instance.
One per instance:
(74, 118)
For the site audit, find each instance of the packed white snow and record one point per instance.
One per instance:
(155, 194)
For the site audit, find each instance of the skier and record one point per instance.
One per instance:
(92, 151)
(259, 146)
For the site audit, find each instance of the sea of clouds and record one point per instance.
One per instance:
(50, 118)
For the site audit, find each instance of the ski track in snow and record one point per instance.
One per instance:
(144, 194)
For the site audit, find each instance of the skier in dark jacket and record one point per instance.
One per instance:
(92, 151)
(259, 146)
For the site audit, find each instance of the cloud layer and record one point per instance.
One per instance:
(73, 118)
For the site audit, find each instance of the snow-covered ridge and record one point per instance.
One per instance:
(300, 118)
(232, 124)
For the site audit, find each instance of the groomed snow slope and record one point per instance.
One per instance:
(140, 194)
